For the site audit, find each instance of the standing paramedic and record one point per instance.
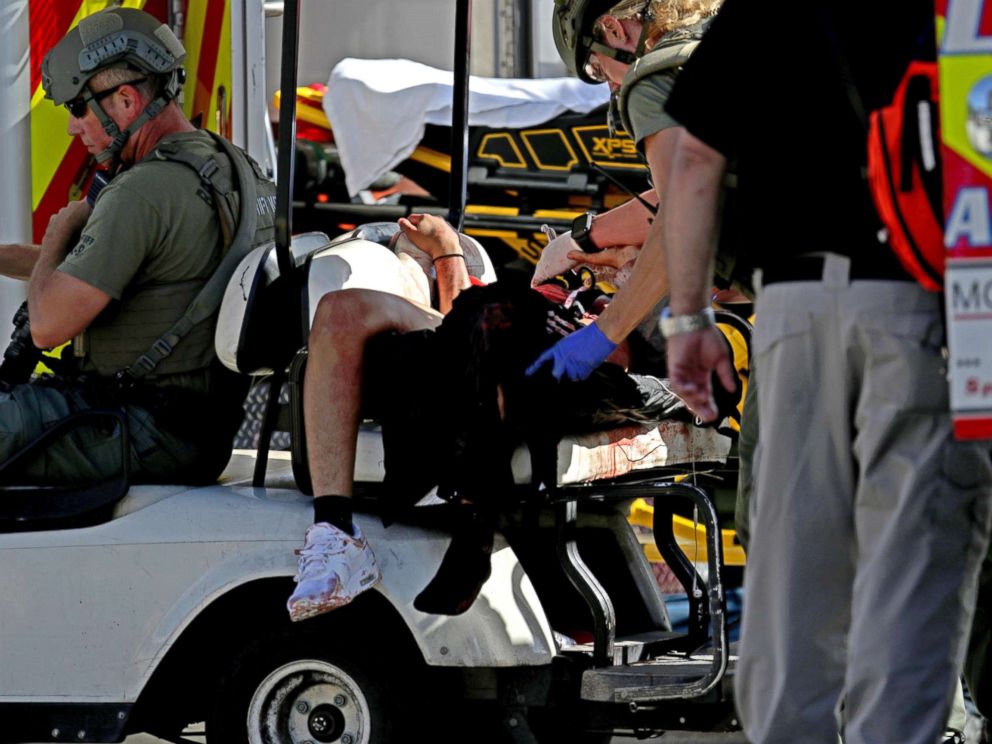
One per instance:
(869, 520)
(118, 277)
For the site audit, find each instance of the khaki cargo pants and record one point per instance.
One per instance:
(868, 520)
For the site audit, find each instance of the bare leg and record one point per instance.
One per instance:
(332, 389)
(336, 563)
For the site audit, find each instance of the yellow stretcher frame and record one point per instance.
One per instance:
(691, 538)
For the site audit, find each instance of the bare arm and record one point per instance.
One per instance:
(437, 238)
(691, 222)
(690, 232)
(627, 224)
(452, 278)
(17, 261)
(613, 258)
(648, 282)
(60, 305)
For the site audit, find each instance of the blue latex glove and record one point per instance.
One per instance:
(576, 355)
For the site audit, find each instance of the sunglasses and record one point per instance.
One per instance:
(592, 67)
(593, 70)
(77, 106)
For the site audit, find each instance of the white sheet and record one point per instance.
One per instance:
(378, 108)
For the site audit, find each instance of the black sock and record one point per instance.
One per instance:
(464, 569)
(335, 510)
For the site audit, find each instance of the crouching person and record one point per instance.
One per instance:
(118, 276)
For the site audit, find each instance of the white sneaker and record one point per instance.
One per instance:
(335, 567)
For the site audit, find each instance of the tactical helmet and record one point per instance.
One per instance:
(114, 38)
(572, 30)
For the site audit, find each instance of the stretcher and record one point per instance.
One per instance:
(534, 172)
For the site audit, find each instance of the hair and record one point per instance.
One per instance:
(112, 76)
(666, 15)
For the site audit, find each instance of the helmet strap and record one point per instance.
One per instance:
(647, 15)
(120, 138)
(613, 114)
(620, 55)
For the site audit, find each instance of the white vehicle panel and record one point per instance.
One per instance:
(89, 613)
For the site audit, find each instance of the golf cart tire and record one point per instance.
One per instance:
(300, 685)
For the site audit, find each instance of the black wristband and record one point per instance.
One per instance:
(582, 233)
(448, 255)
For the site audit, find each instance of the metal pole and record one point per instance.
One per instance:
(287, 136)
(524, 56)
(15, 147)
(284, 211)
(459, 113)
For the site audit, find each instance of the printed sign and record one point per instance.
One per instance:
(964, 29)
(610, 151)
(968, 284)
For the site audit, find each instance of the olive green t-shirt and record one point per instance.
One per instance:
(646, 105)
(150, 243)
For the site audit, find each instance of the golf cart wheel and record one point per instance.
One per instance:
(289, 691)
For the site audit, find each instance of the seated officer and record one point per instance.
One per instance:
(116, 277)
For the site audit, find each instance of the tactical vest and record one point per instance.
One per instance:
(147, 315)
(670, 53)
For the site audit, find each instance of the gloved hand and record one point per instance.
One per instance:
(576, 355)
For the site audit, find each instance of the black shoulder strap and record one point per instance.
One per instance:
(206, 169)
(208, 300)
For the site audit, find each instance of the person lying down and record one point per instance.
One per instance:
(448, 384)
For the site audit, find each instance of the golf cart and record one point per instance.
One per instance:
(135, 608)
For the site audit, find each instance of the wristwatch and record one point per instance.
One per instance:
(671, 325)
(581, 233)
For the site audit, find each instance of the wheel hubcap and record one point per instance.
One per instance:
(308, 701)
(326, 723)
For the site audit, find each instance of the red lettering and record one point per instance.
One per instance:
(985, 25)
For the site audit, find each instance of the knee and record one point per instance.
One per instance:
(342, 315)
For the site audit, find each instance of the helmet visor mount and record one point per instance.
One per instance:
(120, 45)
(124, 38)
